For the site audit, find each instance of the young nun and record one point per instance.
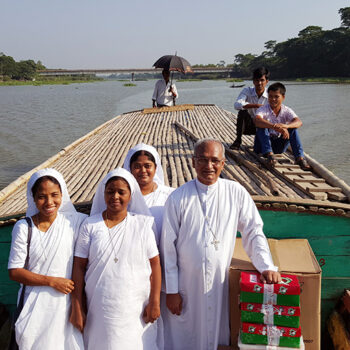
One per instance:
(115, 255)
(143, 162)
(44, 320)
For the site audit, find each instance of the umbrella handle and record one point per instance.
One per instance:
(171, 81)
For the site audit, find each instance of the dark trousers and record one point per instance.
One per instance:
(245, 125)
(265, 143)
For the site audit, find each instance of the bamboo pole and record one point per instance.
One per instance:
(331, 178)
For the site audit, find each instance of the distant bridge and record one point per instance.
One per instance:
(126, 71)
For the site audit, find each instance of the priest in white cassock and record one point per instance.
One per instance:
(198, 237)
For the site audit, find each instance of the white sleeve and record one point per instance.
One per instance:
(168, 240)
(18, 251)
(155, 92)
(82, 245)
(151, 244)
(261, 112)
(241, 99)
(250, 225)
(290, 115)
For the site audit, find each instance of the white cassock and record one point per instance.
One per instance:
(117, 292)
(195, 269)
(44, 320)
(155, 202)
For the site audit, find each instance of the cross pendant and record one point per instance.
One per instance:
(215, 242)
(115, 260)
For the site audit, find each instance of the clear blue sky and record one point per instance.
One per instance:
(134, 33)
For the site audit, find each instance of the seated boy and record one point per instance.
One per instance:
(277, 127)
(248, 101)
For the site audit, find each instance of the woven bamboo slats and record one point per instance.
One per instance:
(85, 162)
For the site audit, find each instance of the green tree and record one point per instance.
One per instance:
(345, 16)
(310, 31)
(8, 66)
(26, 70)
(40, 66)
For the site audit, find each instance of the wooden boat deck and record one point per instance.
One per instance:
(173, 131)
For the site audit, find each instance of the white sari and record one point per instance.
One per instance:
(117, 292)
(44, 320)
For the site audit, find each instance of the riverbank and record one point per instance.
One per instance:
(324, 80)
(51, 81)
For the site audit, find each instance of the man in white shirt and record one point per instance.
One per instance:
(248, 101)
(200, 223)
(164, 93)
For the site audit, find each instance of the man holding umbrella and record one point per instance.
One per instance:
(164, 93)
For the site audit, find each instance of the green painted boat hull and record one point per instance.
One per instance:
(329, 237)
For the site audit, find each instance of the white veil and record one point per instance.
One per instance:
(136, 205)
(159, 175)
(66, 205)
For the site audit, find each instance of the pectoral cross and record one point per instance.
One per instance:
(115, 260)
(215, 242)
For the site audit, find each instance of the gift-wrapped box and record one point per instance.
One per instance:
(285, 293)
(242, 346)
(279, 315)
(253, 333)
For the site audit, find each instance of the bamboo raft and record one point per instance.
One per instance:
(173, 132)
(293, 203)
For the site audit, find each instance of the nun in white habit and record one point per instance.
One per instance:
(115, 255)
(44, 320)
(143, 162)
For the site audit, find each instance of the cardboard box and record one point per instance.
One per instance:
(292, 256)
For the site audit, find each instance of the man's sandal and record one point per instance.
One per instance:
(270, 160)
(236, 145)
(303, 164)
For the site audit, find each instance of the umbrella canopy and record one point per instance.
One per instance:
(173, 63)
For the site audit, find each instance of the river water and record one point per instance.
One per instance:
(36, 122)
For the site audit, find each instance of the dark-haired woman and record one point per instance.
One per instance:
(44, 320)
(115, 255)
(143, 162)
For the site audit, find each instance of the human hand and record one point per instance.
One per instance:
(285, 134)
(77, 318)
(174, 303)
(282, 129)
(63, 285)
(269, 276)
(151, 312)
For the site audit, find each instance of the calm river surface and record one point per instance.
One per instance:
(36, 122)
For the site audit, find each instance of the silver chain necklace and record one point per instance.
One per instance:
(41, 233)
(215, 240)
(113, 244)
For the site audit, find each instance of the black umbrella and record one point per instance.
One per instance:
(173, 63)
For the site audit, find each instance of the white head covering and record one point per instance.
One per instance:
(136, 205)
(66, 205)
(159, 175)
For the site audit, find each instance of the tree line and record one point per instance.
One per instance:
(22, 70)
(314, 53)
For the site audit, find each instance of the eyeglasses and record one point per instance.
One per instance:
(205, 161)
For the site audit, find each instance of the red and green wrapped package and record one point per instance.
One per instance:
(285, 293)
(253, 333)
(278, 315)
